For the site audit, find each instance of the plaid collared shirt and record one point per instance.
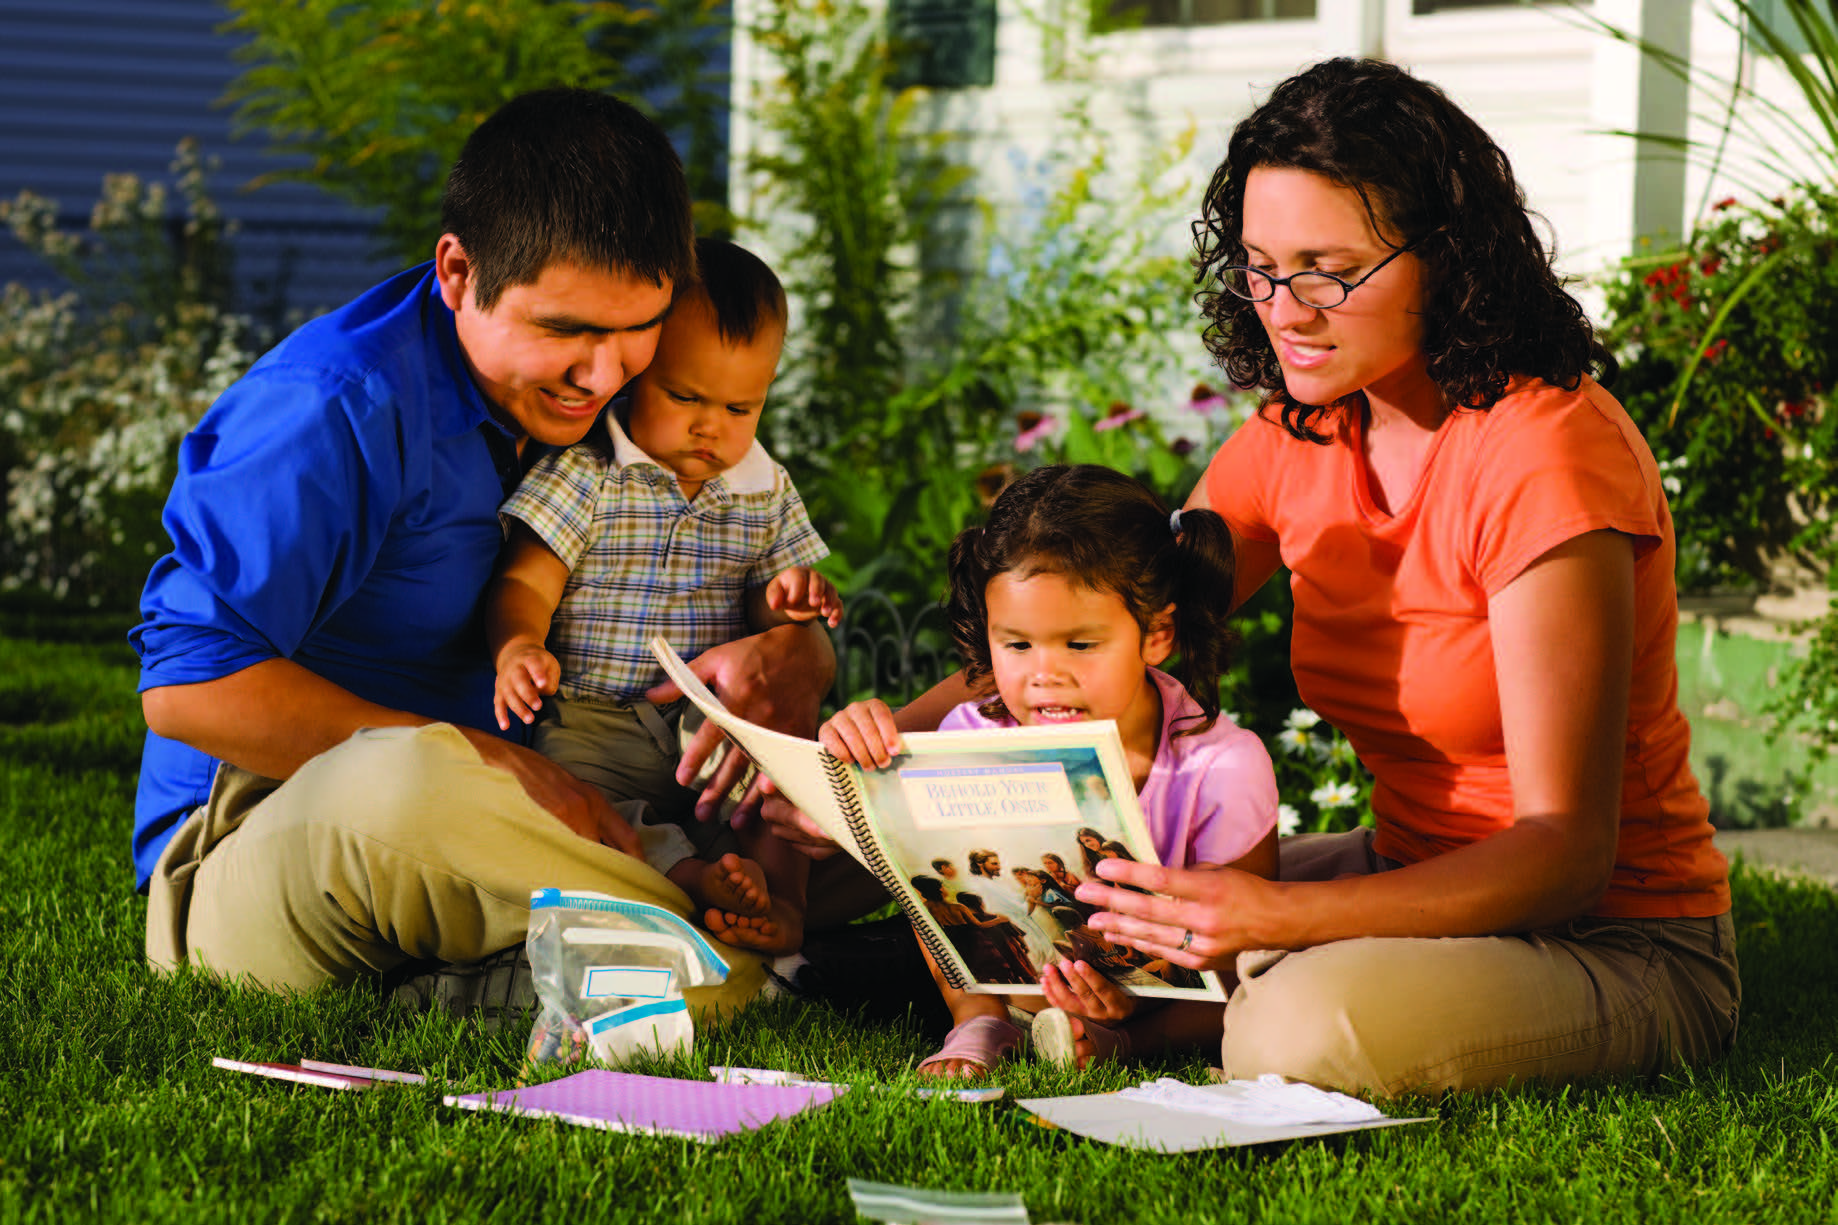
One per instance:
(644, 561)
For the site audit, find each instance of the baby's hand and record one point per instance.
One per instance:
(804, 595)
(862, 732)
(525, 673)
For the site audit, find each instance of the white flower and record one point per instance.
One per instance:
(1288, 820)
(1334, 795)
(1295, 741)
(1301, 718)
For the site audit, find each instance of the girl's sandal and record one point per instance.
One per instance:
(1056, 1040)
(982, 1042)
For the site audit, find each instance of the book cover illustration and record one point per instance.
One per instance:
(982, 838)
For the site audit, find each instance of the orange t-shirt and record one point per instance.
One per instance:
(1391, 641)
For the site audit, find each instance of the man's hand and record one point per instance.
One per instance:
(791, 825)
(526, 671)
(574, 803)
(776, 679)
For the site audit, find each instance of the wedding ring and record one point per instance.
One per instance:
(1185, 941)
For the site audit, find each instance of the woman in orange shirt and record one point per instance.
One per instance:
(1482, 561)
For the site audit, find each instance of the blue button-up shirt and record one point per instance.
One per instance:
(336, 507)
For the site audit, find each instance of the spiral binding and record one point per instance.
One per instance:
(843, 788)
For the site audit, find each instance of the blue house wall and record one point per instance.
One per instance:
(92, 87)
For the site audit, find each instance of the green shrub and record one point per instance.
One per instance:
(1728, 347)
(99, 383)
(378, 95)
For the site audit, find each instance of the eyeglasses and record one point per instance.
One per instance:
(1320, 290)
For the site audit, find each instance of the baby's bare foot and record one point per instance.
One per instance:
(737, 886)
(779, 931)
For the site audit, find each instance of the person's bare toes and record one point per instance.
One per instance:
(736, 885)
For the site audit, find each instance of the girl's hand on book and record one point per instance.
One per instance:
(863, 733)
(1079, 988)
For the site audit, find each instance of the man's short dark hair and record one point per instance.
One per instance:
(568, 175)
(744, 292)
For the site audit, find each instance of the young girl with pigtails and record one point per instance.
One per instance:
(1064, 606)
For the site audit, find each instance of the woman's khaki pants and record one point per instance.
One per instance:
(1388, 1016)
(399, 843)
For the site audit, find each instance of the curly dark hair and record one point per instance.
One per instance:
(1431, 179)
(1106, 532)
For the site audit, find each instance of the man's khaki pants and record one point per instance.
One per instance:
(400, 843)
(1389, 1016)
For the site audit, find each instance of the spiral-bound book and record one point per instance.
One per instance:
(981, 837)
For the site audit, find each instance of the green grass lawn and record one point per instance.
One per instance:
(109, 1108)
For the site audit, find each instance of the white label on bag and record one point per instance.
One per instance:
(628, 982)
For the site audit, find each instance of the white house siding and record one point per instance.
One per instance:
(1538, 79)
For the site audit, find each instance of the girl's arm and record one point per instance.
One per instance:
(1563, 636)
(925, 712)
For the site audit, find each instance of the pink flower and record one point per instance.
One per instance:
(1205, 400)
(1120, 414)
(1035, 427)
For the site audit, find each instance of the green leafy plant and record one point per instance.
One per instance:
(377, 96)
(1729, 345)
(913, 357)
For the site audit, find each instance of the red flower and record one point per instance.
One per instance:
(1710, 265)
(1715, 348)
(1726, 202)
(1793, 408)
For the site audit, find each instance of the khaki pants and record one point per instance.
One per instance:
(1389, 1016)
(629, 752)
(399, 843)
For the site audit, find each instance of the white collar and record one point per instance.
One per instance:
(753, 474)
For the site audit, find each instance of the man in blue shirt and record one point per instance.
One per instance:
(324, 794)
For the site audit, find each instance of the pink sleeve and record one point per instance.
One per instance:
(1219, 800)
(963, 717)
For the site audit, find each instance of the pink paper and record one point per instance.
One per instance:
(622, 1101)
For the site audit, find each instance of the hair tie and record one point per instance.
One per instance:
(1174, 522)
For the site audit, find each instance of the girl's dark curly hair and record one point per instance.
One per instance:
(1106, 532)
(1430, 178)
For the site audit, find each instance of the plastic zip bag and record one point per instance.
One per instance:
(610, 976)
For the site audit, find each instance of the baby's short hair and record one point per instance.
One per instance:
(744, 292)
